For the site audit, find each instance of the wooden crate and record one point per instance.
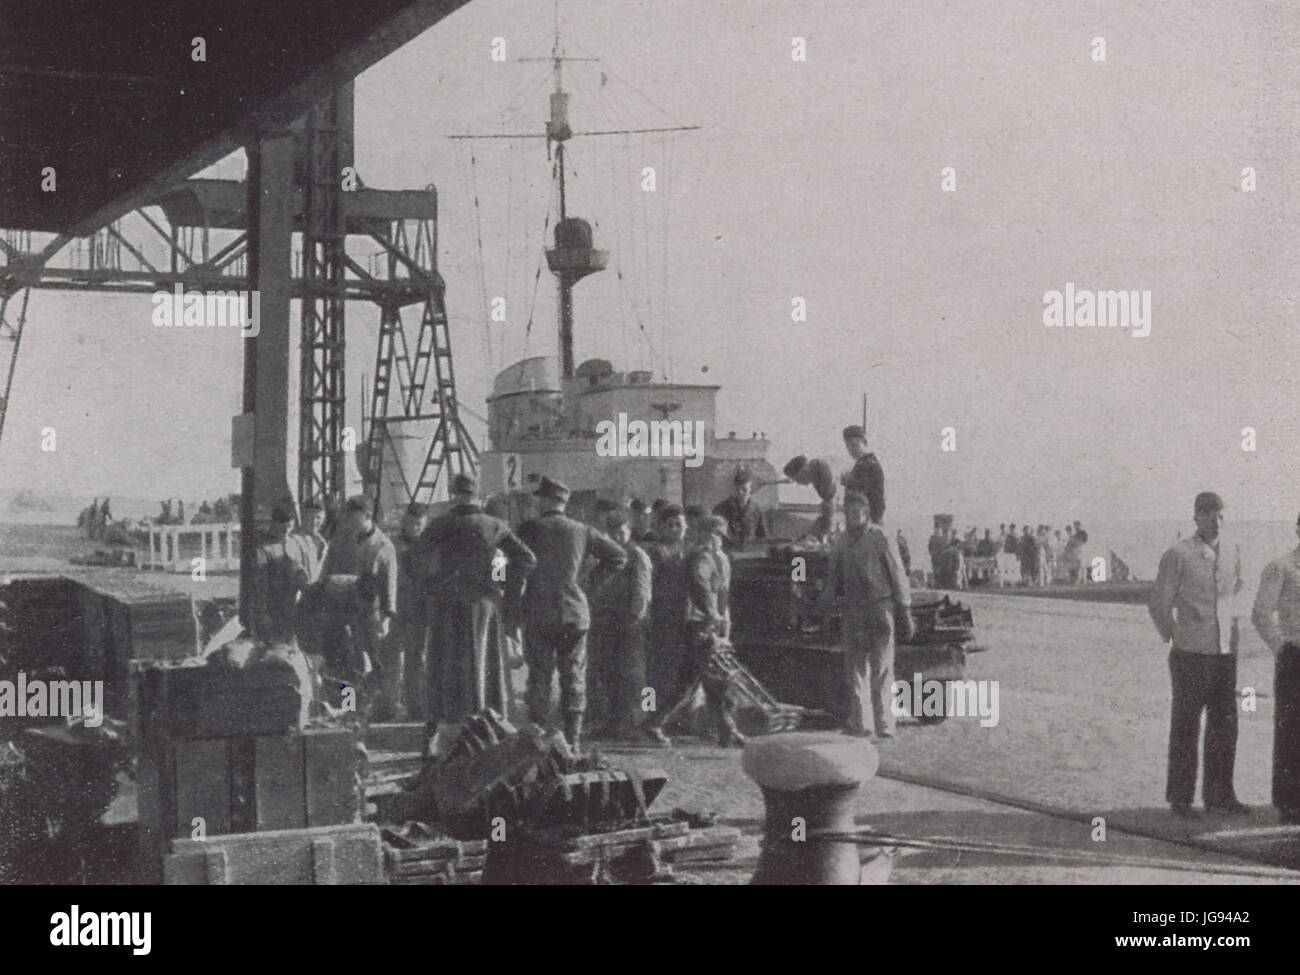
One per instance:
(246, 784)
(185, 701)
(329, 855)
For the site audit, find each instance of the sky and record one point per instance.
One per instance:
(820, 179)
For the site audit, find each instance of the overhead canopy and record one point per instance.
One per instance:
(110, 96)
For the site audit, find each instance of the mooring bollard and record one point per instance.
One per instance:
(809, 780)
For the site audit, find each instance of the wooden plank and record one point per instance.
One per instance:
(324, 870)
(708, 855)
(426, 869)
(676, 827)
(298, 856)
(202, 786)
(280, 782)
(591, 841)
(333, 792)
(424, 855)
(217, 866)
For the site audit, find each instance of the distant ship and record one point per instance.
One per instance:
(550, 418)
(25, 501)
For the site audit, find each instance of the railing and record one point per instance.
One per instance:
(173, 548)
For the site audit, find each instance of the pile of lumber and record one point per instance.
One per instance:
(417, 854)
(645, 853)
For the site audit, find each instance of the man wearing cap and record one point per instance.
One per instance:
(867, 476)
(556, 615)
(1195, 612)
(405, 680)
(472, 558)
(708, 619)
(667, 639)
(865, 566)
(818, 473)
(744, 518)
(620, 602)
(279, 577)
(361, 563)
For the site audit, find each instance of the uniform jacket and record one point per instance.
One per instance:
(1194, 602)
(1276, 613)
(668, 605)
(279, 577)
(821, 474)
(460, 548)
(869, 570)
(624, 593)
(373, 560)
(708, 582)
(561, 545)
(313, 549)
(868, 477)
(743, 524)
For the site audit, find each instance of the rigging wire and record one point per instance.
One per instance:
(528, 330)
(614, 199)
(469, 176)
(664, 154)
(482, 276)
(628, 293)
(510, 210)
(462, 166)
(610, 74)
(599, 169)
(643, 249)
(625, 237)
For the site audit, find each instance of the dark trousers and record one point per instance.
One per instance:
(548, 649)
(1202, 682)
(411, 636)
(694, 669)
(617, 673)
(1286, 732)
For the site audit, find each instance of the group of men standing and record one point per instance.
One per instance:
(424, 628)
(1034, 557)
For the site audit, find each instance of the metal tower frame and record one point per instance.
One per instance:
(450, 443)
(321, 389)
(201, 227)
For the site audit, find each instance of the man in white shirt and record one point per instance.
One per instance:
(1194, 610)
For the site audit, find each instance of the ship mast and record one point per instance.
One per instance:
(573, 257)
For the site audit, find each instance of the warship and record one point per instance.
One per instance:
(549, 417)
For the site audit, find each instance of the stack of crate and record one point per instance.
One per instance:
(221, 759)
(641, 853)
(419, 854)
